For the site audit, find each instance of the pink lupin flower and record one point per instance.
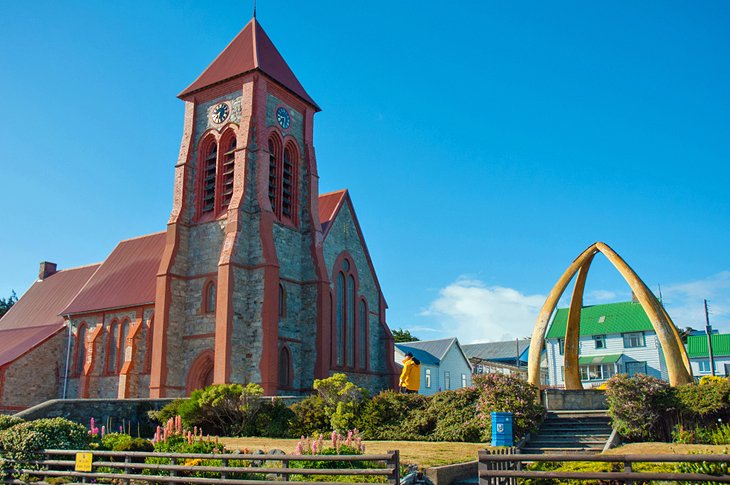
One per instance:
(334, 439)
(103, 431)
(348, 441)
(121, 429)
(298, 449)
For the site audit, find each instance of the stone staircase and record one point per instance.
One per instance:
(571, 432)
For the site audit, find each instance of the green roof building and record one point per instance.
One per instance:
(699, 356)
(614, 338)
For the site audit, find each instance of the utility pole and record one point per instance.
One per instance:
(708, 329)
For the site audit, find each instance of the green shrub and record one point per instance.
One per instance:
(639, 406)
(341, 399)
(110, 440)
(394, 416)
(455, 416)
(706, 435)
(134, 444)
(503, 393)
(7, 421)
(169, 411)
(721, 468)
(705, 402)
(273, 420)
(310, 417)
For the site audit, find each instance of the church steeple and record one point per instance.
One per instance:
(250, 50)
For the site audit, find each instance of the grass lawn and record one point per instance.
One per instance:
(423, 453)
(666, 448)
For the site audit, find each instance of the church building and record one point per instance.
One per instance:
(257, 278)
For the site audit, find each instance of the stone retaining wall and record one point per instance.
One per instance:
(580, 400)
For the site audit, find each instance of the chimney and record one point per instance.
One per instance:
(46, 270)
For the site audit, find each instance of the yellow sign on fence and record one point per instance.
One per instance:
(83, 462)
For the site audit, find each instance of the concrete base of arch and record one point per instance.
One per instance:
(675, 354)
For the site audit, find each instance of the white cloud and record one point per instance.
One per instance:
(601, 296)
(474, 312)
(684, 301)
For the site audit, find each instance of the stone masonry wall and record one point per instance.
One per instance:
(36, 376)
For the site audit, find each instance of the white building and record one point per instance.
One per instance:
(614, 338)
(699, 357)
(443, 364)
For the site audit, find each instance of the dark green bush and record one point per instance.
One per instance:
(7, 421)
(169, 411)
(273, 420)
(455, 416)
(503, 393)
(394, 416)
(310, 417)
(134, 444)
(639, 406)
(705, 402)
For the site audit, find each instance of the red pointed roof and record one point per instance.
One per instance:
(328, 205)
(36, 316)
(251, 49)
(127, 278)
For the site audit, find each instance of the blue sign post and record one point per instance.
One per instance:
(502, 429)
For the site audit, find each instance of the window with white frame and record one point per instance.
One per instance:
(704, 365)
(600, 341)
(561, 345)
(463, 380)
(447, 380)
(596, 372)
(634, 339)
(428, 378)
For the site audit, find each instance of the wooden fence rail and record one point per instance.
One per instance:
(234, 469)
(504, 469)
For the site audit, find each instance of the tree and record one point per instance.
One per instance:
(5, 304)
(401, 335)
(683, 334)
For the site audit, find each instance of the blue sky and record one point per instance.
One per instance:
(485, 144)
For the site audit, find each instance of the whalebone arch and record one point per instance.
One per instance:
(675, 355)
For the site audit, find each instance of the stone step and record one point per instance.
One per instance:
(569, 437)
(550, 450)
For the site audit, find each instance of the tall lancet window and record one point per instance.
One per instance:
(274, 174)
(81, 349)
(227, 176)
(210, 159)
(288, 186)
(340, 319)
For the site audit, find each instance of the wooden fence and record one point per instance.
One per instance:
(229, 468)
(504, 469)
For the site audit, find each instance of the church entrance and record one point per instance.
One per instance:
(201, 372)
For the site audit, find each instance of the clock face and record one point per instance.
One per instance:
(220, 113)
(282, 116)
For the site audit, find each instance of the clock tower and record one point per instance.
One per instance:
(242, 290)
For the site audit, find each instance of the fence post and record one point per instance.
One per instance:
(395, 459)
(628, 469)
(481, 467)
(126, 468)
(285, 464)
(224, 464)
(173, 473)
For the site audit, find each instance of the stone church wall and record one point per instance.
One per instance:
(343, 235)
(36, 376)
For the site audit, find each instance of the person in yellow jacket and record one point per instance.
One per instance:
(410, 377)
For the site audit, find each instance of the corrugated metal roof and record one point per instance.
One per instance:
(599, 359)
(128, 277)
(697, 345)
(603, 319)
(423, 356)
(43, 303)
(437, 348)
(496, 350)
(328, 205)
(17, 341)
(250, 49)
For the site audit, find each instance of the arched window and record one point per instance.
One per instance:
(284, 368)
(274, 177)
(111, 345)
(350, 321)
(209, 296)
(340, 318)
(288, 184)
(209, 161)
(282, 301)
(148, 346)
(363, 340)
(80, 349)
(227, 177)
(123, 343)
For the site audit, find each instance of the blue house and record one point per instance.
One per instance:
(444, 365)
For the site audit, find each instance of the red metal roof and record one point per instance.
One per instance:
(328, 205)
(127, 278)
(36, 316)
(43, 303)
(18, 341)
(251, 49)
